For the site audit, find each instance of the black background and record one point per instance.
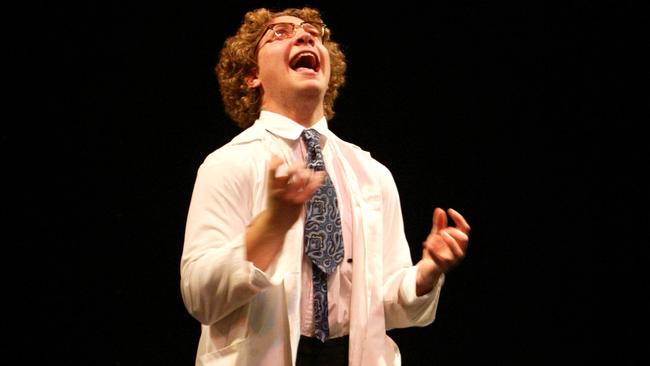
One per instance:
(523, 116)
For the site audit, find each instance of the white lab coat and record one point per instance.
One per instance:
(250, 317)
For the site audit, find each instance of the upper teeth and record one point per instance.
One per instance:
(301, 55)
(305, 54)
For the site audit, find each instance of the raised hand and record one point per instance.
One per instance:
(444, 247)
(287, 192)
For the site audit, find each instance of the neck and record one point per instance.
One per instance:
(305, 112)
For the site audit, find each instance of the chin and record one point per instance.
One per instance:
(312, 93)
(312, 86)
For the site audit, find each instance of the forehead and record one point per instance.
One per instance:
(286, 19)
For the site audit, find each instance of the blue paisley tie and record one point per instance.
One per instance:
(323, 236)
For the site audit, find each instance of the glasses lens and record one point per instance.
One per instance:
(283, 30)
(314, 29)
(287, 30)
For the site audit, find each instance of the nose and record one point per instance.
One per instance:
(305, 38)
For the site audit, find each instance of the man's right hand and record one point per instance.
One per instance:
(287, 193)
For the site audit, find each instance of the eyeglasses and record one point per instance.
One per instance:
(288, 30)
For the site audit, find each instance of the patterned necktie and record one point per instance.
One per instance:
(323, 235)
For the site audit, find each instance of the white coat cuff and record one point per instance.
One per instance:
(407, 291)
(258, 278)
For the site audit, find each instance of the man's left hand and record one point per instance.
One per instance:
(444, 248)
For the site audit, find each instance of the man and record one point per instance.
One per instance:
(248, 271)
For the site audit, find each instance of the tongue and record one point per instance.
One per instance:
(300, 69)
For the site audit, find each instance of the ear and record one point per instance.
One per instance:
(253, 81)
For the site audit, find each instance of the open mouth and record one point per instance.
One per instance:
(305, 60)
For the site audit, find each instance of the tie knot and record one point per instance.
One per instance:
(314, 154)
(311, 137)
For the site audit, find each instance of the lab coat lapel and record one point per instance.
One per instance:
(285, 272)
(367, 324)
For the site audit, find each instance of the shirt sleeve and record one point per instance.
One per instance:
(216, 278)
(402, 307)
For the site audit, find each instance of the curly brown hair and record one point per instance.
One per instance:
(238, 59)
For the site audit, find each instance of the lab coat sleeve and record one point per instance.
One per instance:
(216, 278)
(402, 307)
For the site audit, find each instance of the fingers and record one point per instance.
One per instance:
(299, 175)
(282, 174)
(453, 245)
(295, 183)
(459, 236)
(459, 220)
(438, 249)
(304, 186)
(303, 178)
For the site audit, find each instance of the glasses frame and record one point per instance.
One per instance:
(294, 26)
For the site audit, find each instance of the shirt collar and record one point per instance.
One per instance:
(287, 128)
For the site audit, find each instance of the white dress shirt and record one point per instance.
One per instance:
(339, 283)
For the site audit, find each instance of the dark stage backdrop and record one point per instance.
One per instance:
(495, 109)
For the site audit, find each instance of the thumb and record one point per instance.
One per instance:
(439, 220)
(274, 164)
